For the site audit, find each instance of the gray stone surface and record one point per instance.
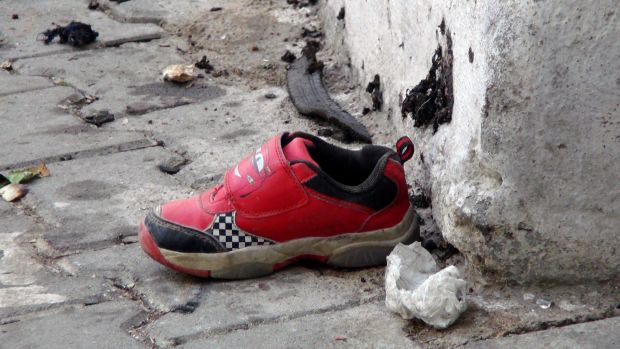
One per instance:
(128, 267)
(29, 284)
(216, 133)
(13, 83)
(523, 179)
(293, 292)
(100, 200)
(589, 335)
(365, 326)
(21, 35)
(97, 326)
(159, 11)
(130, 75)
(32, 131)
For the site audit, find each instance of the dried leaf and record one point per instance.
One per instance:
(27, 174)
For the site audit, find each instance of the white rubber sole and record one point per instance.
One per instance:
(347, 250)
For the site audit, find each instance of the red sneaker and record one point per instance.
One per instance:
(296, 197)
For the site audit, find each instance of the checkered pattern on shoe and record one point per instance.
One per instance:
(229, 235)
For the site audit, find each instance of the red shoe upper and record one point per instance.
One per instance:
(280, 192)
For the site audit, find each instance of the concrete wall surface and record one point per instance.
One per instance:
(525, 179)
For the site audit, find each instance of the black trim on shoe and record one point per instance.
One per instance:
(178, 238)
(348, 167)
(377, 192)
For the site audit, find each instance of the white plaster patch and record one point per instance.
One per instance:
(290, 15)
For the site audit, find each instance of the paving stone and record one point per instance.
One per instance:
(218, 133)
(13, 83)
(160, 11)
(33, 127)
(589, 335)
(37, 16)
(365, 326)
(289, 293)
(26, 284)
(94, 202)
(127, 76)
(13, 220)
(102, 325)
(495, 312)
(129, 267)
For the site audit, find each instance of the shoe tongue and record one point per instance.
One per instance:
(297, 150)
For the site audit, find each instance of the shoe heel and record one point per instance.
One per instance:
(368, 254)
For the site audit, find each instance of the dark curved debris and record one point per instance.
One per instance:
(430, 101)
(374, 88)
(288, 57)
(340, 16)
(76, 34)
(99, 118)
(305, 86)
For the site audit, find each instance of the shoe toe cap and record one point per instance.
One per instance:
(175, 237)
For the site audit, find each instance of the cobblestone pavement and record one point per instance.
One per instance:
(71, 272)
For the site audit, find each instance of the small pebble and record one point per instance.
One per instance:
(543, 303)
(270, 95)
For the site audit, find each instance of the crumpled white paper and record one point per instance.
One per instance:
(415, 288)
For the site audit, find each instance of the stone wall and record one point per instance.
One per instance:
(525, 179)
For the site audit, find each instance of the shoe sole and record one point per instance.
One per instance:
(352, 250)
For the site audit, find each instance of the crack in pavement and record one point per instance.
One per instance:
(100, 45)
(273, 320)
(88, 153)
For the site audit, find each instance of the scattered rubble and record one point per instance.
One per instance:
(7, 65)
(99, 118)
(204, 64)
(416, 288)
(302, 3)
(311, 33)
(341, 14)
(288, 57)
(76, 34)
(93, 4)
(420, 201)
(430, 102)
(310, 97)
(374, 88)
(543, 303)
(180, 73)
